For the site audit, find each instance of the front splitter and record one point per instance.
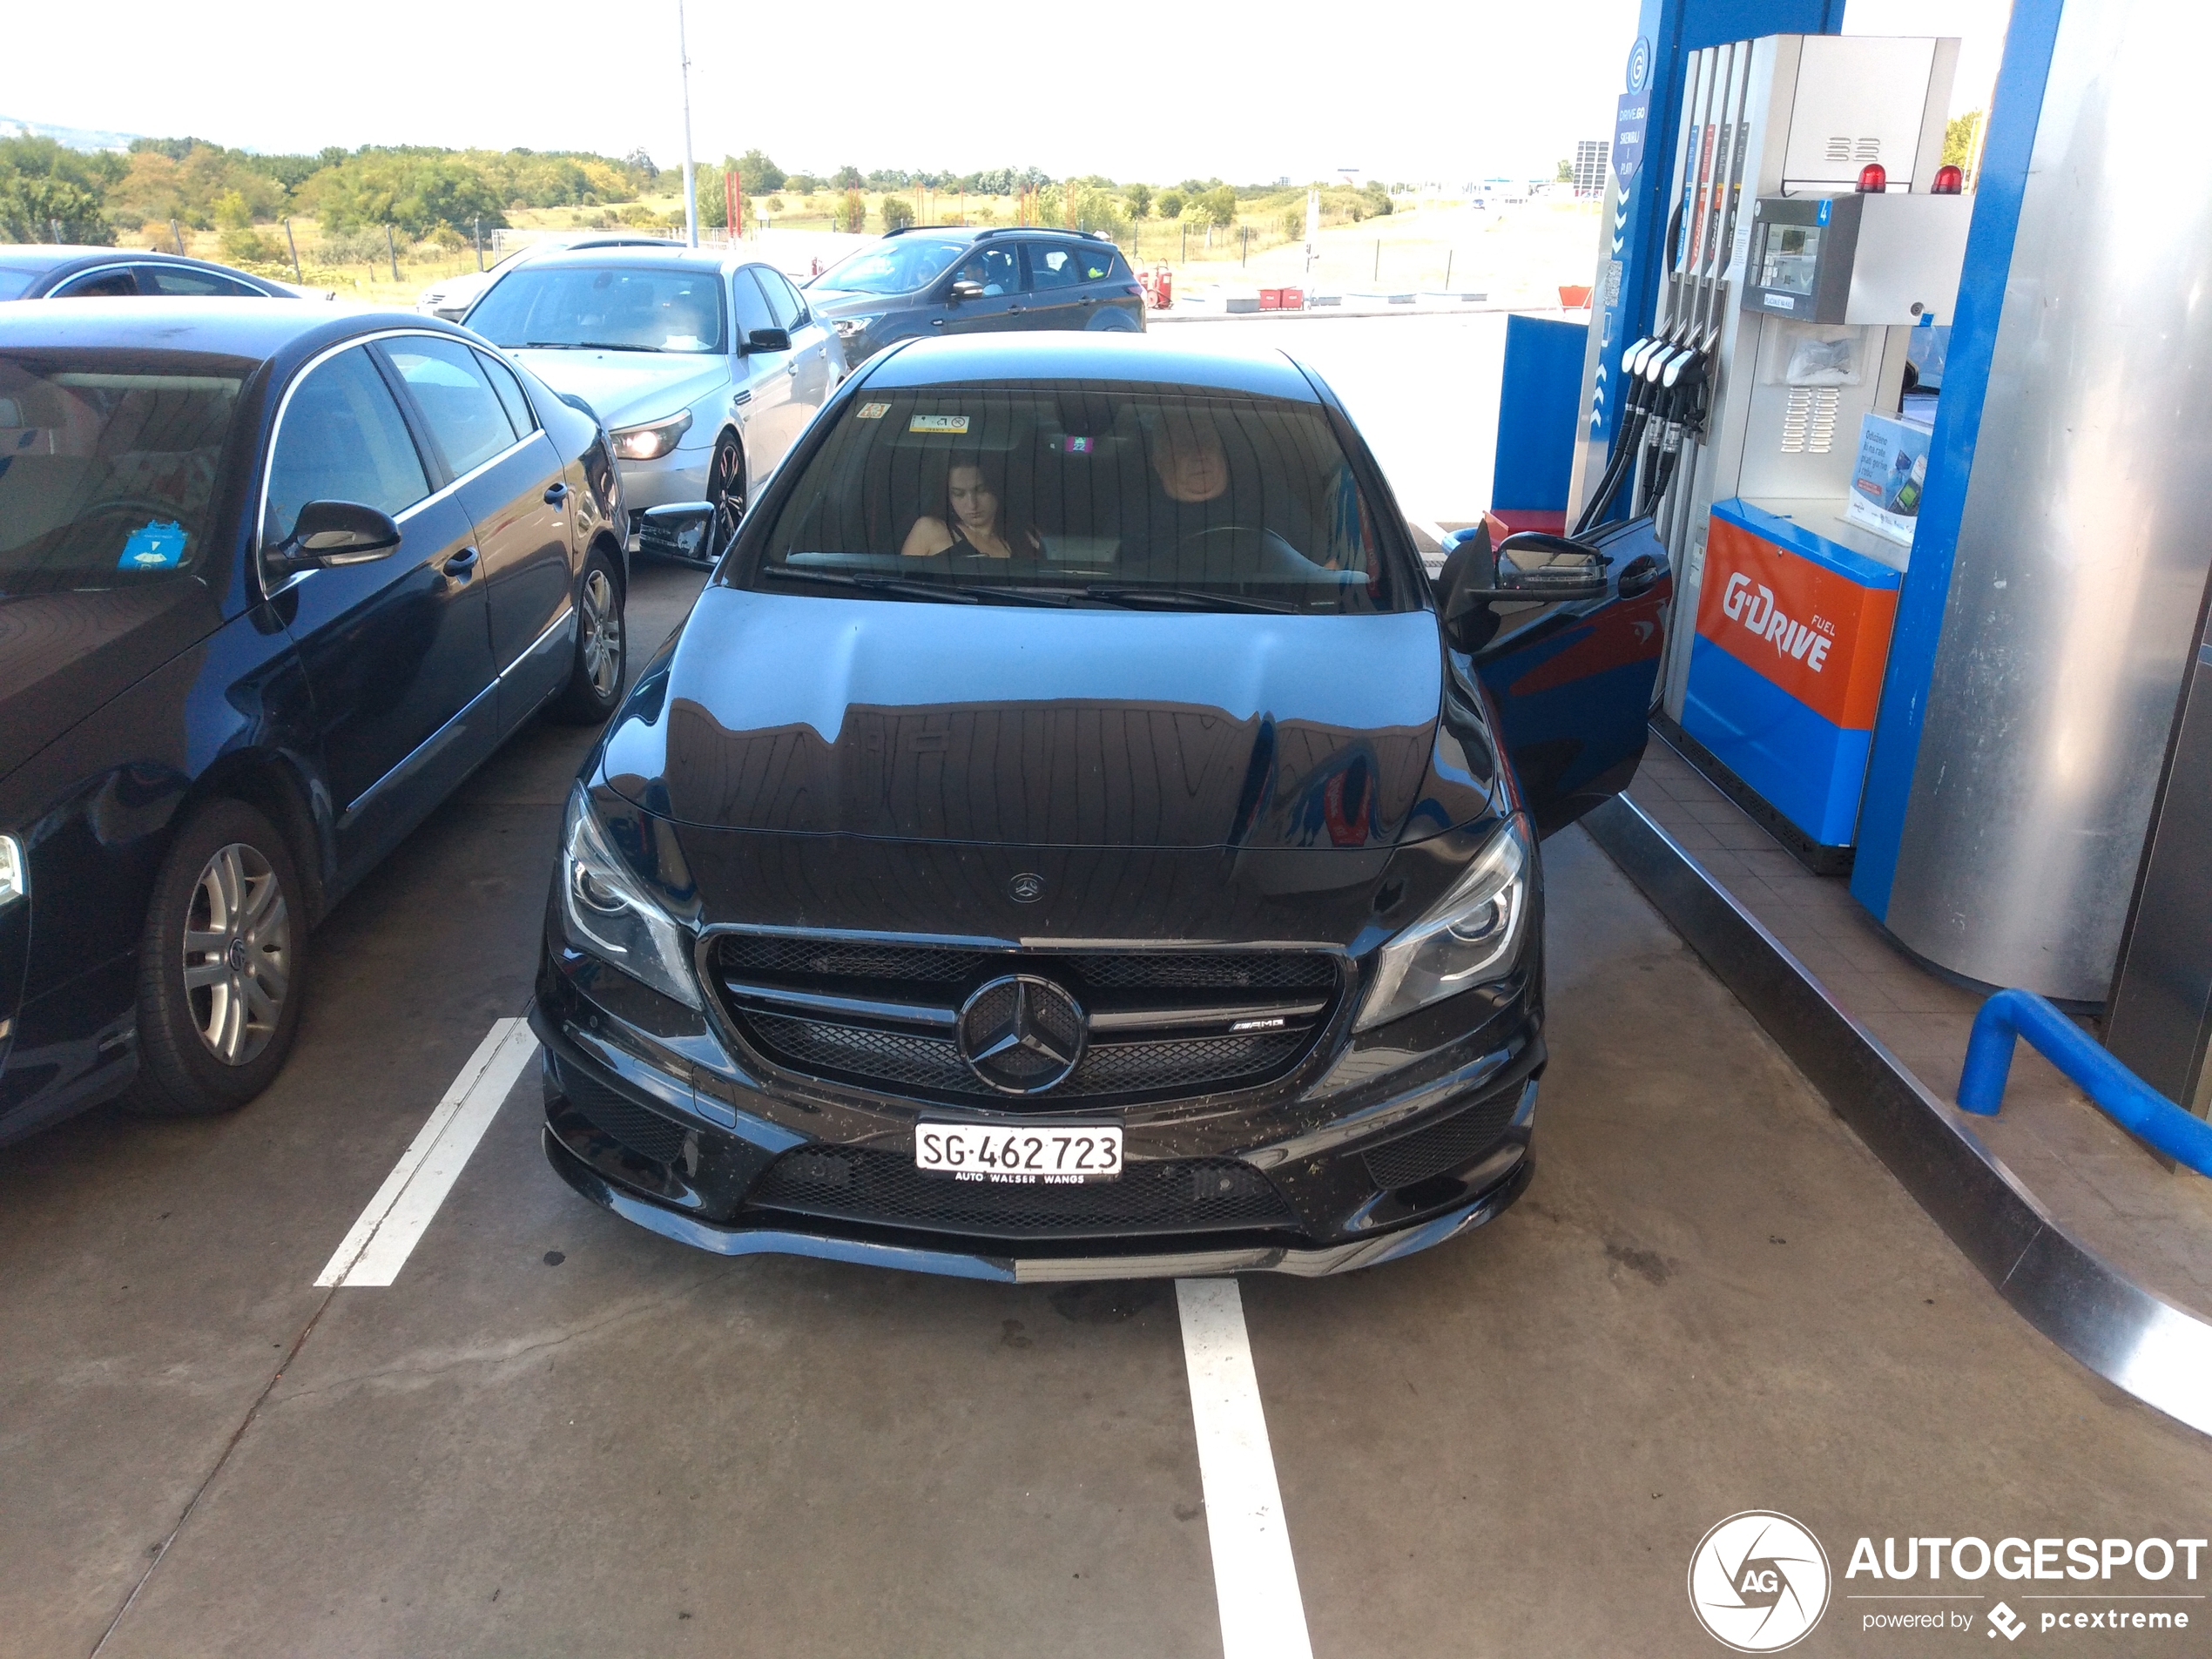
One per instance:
(1034, 1270)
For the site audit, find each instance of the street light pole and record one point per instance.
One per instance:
(691, 182)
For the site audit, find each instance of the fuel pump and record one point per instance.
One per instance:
(1804, 242)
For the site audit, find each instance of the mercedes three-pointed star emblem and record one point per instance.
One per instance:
(1021, 1035)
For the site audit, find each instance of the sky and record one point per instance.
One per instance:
(1416, 89)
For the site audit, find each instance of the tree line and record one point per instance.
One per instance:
(425, 191)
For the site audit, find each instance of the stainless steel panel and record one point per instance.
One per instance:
(2088, 529)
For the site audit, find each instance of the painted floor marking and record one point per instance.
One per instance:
(1429, 529)
(381, 1240)
(1255, 1580)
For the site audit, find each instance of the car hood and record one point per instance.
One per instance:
(1013, 725)
(625, 388)
(63, 655)
(846, 302)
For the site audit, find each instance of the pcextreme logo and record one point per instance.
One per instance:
(1758, 1581)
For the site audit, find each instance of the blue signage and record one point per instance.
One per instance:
(1628, 124)
(1640, 63)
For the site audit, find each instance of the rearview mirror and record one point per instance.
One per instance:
(1533, 565)
(768, 340)
(331, 533)
(965, 290)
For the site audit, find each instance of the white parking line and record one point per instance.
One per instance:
(381, 1240)
(1254, 1580)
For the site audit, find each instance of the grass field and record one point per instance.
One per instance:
(1518, 254)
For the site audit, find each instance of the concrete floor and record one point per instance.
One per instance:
(557, 1434)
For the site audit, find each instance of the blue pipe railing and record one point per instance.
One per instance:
(2126, 1099)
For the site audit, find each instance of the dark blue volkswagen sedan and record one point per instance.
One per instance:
(1071, 838)
(272, 581)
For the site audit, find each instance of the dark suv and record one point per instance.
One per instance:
(936, 279)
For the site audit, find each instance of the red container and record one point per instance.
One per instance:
(1294, 299)
(1270, 298)
(1574, 299)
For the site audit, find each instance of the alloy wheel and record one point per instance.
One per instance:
(725, 488)
(237, 953)
(602, 633)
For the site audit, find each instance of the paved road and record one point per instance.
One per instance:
(556, 1434)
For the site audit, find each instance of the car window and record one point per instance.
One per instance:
(109, 284)
(994, 268)
(510, 394)
(752, 305)
(1094, 495)
(178, 282)
(1053, 265)
(603, 308)
(781, 304)
(14, 281)
(341, 439)
(1098, 261)
(112, 459)
(897, 265)
(783, 298)
(449, 386)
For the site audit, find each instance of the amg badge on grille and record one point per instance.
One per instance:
(1020, 1034)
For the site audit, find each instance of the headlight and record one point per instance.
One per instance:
(15, 876)
(854, 327)
(609, 914)
(651, 440)
(1470, 936)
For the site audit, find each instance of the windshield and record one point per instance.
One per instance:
(1073, 495)
(896, 266)
(612, 308)
(14, 281)
(108, 462)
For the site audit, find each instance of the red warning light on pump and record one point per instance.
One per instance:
(1949, 181)
(1873, 178)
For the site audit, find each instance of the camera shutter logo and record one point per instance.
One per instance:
(1758, 1581)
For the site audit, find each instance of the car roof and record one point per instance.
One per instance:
(227, 327)
(697, 258)
(52, 256)
(1077, 355)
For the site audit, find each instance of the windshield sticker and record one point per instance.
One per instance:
(872, 411)
(938, 423)
(1075, 446)
(153, 546)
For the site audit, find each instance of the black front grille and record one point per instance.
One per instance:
(884, 1189)
(880, 1014)
(1458, 1140)
(647, 1133)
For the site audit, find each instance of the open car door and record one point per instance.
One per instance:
(1564, 637)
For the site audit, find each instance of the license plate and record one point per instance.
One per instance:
(1059, 1156)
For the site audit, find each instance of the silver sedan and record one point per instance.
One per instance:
(705, 368)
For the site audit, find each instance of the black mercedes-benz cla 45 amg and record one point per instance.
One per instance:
(1072, 838)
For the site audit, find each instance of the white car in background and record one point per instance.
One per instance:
(704, 366)
(450, 297)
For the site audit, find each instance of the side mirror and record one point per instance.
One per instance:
(332, 533)
(681, 527)
(1533, 565)
(768, 340)
(965, 290)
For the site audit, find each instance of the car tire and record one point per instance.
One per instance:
(725, 488)
(1112, 319)
(221, 966)
(602, 649)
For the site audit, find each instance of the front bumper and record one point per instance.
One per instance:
(648, 1114)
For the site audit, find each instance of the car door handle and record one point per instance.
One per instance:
(461, 564)
(791, 368)
(1016, 311)
(936, 322)
(1087, 300)
(555, 495)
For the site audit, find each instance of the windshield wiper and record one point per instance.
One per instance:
(905, 587)
(1186, 599)
(577, 344)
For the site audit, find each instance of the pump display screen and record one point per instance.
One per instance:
(1790, 259)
